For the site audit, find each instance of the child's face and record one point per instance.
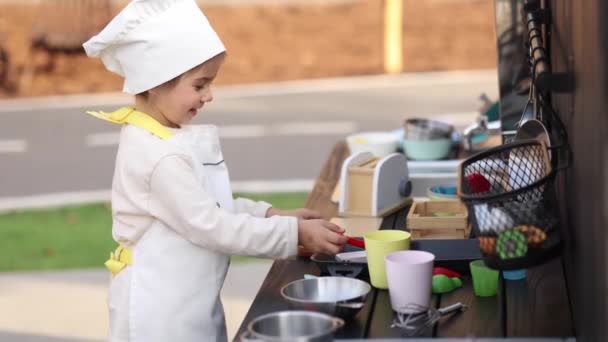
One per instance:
(179, 102)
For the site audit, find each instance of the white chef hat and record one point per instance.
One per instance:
(153, 41)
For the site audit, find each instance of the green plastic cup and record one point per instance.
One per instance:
(379, 244)
(485, 279)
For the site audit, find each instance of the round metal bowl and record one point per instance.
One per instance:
(292, 326)
(424, 129)
(337, 296)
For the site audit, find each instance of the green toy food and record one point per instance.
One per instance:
(511, 244)
(444, 284)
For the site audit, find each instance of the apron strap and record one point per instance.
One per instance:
(136, 118)
(119, 259)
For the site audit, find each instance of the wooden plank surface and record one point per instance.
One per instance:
(381, 320)
(320, 197)
(580, 33)
(483, 318)
(539, 305)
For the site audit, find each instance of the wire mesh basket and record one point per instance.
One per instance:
(510, 195)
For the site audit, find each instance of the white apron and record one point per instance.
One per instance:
(171, 291)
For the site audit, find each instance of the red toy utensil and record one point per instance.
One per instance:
(354, 242)
(446, 271)
(478, 183)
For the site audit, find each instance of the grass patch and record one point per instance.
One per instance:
(70, 237)
(279, 200)
(78, 236)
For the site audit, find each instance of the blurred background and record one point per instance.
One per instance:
(301, 75)
(267, 40)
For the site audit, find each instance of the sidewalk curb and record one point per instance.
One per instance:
(263, 89)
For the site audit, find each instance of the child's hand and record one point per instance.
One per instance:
(320, 236)
(301, 214)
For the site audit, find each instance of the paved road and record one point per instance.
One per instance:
(270, 132)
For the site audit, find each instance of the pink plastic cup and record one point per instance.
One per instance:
(409, 275)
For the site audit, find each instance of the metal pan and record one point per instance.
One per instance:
(338, 296)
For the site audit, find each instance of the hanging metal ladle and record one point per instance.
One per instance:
(530, 109)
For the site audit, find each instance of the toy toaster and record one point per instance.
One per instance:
(372, 186)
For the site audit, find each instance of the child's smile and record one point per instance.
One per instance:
(177, 102)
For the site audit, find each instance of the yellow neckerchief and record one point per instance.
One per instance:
(136, 118)
(122, 256)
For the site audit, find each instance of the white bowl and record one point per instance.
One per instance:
(380, 144)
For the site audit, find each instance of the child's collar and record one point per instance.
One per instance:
(136, 118)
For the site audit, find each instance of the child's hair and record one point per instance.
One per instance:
(172, 82)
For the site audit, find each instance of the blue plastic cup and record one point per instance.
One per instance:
(514, 275)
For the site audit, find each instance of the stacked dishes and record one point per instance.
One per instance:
(427, 139)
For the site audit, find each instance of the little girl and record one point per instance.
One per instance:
(174, 216)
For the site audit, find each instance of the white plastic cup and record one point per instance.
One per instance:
(409, 275)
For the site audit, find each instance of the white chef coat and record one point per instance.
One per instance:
(172, 204)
